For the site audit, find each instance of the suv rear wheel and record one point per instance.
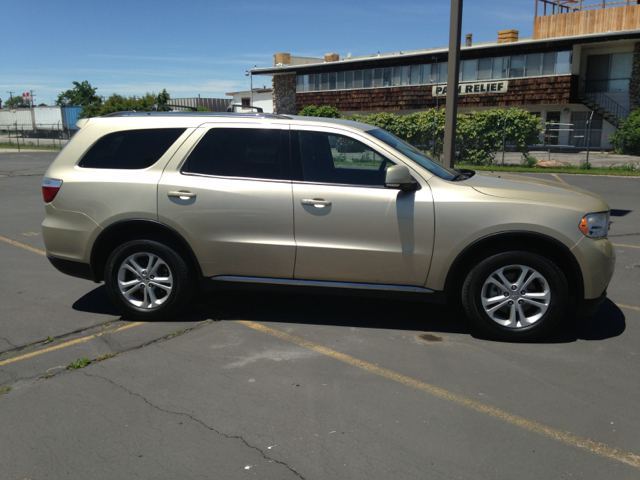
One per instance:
(515, 296)
(147, 280)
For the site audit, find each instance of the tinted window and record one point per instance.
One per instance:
(240, 152)
(130, 149)
(325, 158)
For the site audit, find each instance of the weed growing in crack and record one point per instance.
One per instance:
(78, 364)
(48, 340)
(104, 357)
(175, 334)
(4, 390)
(105, 325)
(8, 353)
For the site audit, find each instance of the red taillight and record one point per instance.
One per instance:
(50, 188)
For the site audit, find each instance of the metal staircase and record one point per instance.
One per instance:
(603, 105)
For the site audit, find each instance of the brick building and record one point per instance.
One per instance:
(580, 58)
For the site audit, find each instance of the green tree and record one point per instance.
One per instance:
(15, 102)
(82, 94)
(119, 103)
(626, 138)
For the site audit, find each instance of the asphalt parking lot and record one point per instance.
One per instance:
(276, 386)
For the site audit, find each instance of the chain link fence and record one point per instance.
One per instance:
(42, 135)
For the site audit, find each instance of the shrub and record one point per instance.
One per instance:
(626, 138)
(324, 111)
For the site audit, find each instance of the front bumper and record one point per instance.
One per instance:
(586, 308)
(597, 259)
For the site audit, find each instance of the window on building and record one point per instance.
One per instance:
(563, 63)
(414, 75)
(425, 74)
(533, 65)
(241, 152)
(368, 78)
(500, 68)
(468, 70)
(617, 72)
(357, 79)
(516, 66)
(404, 76)
(549, 63)
(246, 102)
(386, 77)
(348, 80)
(324, 81)
(377, 77)
(484, 68)
(333, 80)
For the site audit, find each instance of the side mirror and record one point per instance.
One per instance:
(399, 176)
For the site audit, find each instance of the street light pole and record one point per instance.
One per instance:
(504, 135)
(453, 69)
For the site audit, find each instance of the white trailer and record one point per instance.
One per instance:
(19, 118)
(48, 118)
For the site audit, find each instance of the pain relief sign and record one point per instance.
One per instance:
(472, 88)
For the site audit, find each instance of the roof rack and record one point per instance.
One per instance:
(157, 105)
(231, 107)
(133, 113)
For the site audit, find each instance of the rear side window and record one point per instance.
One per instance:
(241, 152)
(130, 149)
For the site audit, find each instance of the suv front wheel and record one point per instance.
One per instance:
(515, 296)
(147, 280)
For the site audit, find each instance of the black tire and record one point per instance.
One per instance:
(492, 308)
(137, 303)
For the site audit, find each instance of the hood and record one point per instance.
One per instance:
(529, 188)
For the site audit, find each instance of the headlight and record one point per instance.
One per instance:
(595, 225)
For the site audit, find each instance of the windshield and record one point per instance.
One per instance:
(414, 154)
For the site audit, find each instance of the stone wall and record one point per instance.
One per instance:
(284, 94)
(634, 82)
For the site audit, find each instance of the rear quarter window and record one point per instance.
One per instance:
(130, 149)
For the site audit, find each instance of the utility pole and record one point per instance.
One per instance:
(453, 70)
(11, 99)
(31, 97)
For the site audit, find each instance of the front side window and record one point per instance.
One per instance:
(130, 149)
(328, 158)
(413, 153)
(241, 152)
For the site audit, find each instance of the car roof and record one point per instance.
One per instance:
(194, 119)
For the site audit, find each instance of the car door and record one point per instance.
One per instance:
(348, 226)
(230, 197)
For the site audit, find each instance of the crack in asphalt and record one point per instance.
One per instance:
(233, 437)
(12, 345)
(625, 235)
(39, 343)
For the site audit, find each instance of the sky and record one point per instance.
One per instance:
(203, 48)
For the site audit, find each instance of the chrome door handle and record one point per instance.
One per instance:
(316, 202)
(183, 194)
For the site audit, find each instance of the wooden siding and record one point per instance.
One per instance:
(613, 19)
(522, 91)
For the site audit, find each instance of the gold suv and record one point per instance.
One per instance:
(158, 205)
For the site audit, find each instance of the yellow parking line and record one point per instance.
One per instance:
(628, 246)
(558, 178)
(563, 436)
(627, 306)
(22, 245)
(68, 344)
